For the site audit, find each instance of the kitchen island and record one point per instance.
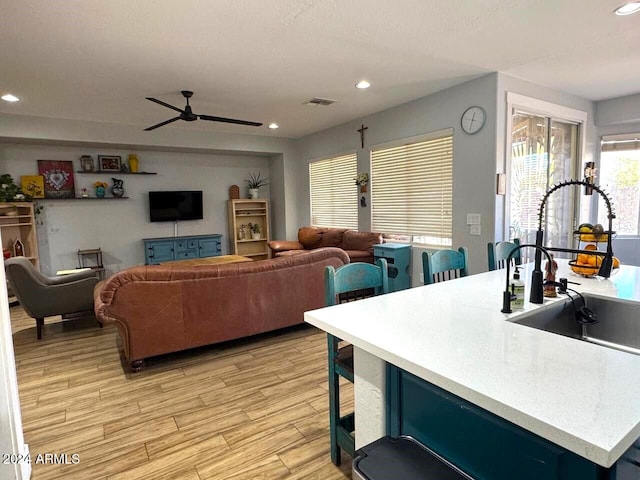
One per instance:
(449, 343)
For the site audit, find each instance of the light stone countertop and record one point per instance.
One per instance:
(581, 396)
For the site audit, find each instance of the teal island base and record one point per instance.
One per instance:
(482, 444)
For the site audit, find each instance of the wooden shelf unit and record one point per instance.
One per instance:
(17, 221)
(243, 212)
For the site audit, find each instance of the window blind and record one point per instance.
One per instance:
(412, 189)
(334, 194)
(612, 143)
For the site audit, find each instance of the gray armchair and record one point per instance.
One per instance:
(43, 296)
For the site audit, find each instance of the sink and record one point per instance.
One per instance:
(618, 326)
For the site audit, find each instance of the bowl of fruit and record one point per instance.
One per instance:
(588, 264)
(592, 233)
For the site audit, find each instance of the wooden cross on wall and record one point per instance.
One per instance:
(361, 130)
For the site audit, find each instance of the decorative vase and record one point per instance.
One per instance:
(133, 163)
(118, 187)
(253, 193)
(100, 191)
(255, 235)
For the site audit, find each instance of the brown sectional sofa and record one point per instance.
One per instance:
(358, 245)
(167, 308)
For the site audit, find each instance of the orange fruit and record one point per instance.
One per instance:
(616, 262)
(590, 246)
(583, 259)
(595, 260)
(586, 271)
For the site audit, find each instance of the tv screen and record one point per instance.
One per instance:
(175, 206)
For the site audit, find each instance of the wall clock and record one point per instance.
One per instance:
(473, 119)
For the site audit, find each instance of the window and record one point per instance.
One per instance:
(412, 189)
(334, 195)
(619, 176)
(543, 153)
(544, 143)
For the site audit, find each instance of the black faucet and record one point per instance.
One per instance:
(536, 294)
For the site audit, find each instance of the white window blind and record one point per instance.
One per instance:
(611, 143)
(412, 190)
(334, 194)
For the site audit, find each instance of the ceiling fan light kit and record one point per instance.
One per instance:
(187, 114)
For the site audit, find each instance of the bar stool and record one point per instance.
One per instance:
(356, 279)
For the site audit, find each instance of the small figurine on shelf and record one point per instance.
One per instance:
(85, 193)
(18, 248)
(551, 269)
(242, 233)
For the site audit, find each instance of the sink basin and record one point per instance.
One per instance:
(618, 326)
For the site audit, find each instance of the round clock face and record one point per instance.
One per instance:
(473, 119)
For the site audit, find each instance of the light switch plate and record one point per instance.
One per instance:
(474, 230)
(473, 219)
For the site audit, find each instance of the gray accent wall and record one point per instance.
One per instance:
(474, 155)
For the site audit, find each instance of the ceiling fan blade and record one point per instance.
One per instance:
(165, 104)
(229, 120)
(161, 124)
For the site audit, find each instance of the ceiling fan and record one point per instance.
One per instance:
(188, 116)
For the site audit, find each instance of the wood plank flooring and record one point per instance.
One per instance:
(249, 409)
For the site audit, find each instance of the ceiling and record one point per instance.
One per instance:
(260, 60)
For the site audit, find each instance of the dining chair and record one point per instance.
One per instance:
(359, 280)
(498, 252)
(444, 265)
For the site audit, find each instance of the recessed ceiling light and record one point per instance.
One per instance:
(627, 8)
(362, 84)
(10, 98)
(273, 126)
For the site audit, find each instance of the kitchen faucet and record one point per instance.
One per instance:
(536, 294)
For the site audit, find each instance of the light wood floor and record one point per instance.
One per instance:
(249, 409)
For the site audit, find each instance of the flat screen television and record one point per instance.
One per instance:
(175, 206)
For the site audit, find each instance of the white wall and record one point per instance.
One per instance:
(118, 227)
(11, 436)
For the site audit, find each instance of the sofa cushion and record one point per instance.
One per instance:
(359, 256)
(290, 253)
(310, 237)
(333, 237)
(354, 240)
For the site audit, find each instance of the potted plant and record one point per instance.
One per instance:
(9, 191)
(255, 231)
(254, 183)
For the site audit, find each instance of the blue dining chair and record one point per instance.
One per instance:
(358, 280)
(497, 254)
(444, 265)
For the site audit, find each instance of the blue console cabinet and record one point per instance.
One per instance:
(398, 257)
(166, 249)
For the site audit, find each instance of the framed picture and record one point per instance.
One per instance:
(58, 178)
(109, 163)
(33, 185)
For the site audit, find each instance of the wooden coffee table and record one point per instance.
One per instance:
(220, 259)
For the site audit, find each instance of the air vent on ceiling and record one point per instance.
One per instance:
(325, 102)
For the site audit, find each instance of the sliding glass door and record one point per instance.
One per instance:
(544, 151)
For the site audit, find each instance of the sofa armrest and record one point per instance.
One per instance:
(284, 245)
